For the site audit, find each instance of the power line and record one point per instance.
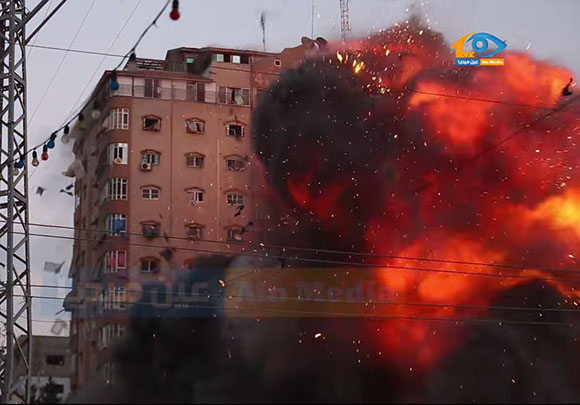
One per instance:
(62, 61)
(456, 96)
(55, 48)
(350, 314)
(36, 38)
(105, 56)
(312, 260)
(315, 250)
(94, 94)
(306, 300)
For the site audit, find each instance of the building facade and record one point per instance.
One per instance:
(164, 172)
(51, 362)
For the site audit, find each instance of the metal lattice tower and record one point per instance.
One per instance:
(15, 300)
(15, 304)
(344, 19)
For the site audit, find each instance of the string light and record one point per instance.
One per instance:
(50, 143)
(114, 81)
(66, 136)
(20, 163)
(44, 155)
(82, 124)
(35, 161)
(175, 10)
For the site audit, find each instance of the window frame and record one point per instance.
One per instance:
(195, 156)
(117, 188)
(156, 226)
(118, 119)
(237, 160)
(149, 260)
(118, 150)
(115, 254)
(190, 121)
(195, 191)
(111, 221)
(236, 124)
(154, 157)
(151, 117)
(150, 189)
(234, 198)
(199, 230)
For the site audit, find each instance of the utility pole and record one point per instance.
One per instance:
(344, 19)
(15, 299)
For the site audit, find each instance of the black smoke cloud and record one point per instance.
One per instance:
(317, 121)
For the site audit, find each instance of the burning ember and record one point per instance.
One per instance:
(462, 181)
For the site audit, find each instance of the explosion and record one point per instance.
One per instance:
(461, 181)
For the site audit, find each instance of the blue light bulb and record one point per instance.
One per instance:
(19, 164)
(50, 143)
(114, 85)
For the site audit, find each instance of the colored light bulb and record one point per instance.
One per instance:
(20, 163)
(175, 10)
(44, 155)
(114, 81)
(35, 161)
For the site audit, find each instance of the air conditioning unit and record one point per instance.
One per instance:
(146, 166)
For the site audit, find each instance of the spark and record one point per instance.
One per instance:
(339, 57)
(222, 283)
(316, 336)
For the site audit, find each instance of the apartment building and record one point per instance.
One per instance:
(164, 172)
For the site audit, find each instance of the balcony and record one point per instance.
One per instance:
(165, 93)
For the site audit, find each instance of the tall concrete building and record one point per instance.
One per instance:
(164, 173)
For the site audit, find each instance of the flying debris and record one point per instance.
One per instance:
(70, 193)
(239, 210)
(51, 267)
(567, 91)
(40, 190)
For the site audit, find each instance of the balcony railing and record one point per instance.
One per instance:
(230, 96)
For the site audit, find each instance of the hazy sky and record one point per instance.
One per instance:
(548, 29)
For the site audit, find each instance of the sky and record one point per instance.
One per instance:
(57, 86)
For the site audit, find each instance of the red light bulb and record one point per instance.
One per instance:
(174, 14)
(44, 155)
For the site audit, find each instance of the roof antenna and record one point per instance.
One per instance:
(263, 23)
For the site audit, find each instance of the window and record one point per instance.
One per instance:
(233, 95)
(114, 298)
(194, 160)
(55, 360)
(151, 123)
(235, 130)
(118, 119)
(236, 59)
(195, 126)
(151, 193)
(110, 333)
(195, 92)
(195, 231)
(218, 57)
(117, 189)
(116, 224)
(118, 153)
(150, 229)
(234, 234)
(195, 196)
(152, 88)
(234, 199)
(151, 157)
(149, 265)
(114, 261)
(277, 62)
(235, 164)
